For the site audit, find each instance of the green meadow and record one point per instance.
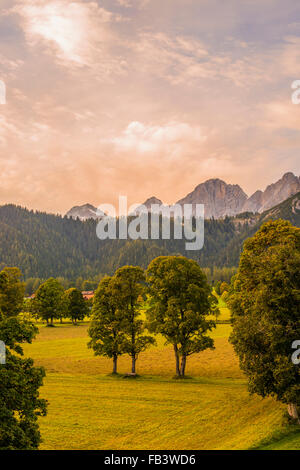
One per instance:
(211, 409)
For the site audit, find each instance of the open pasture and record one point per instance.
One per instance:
(88, 409)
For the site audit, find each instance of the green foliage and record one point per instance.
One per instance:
(218, 288)
(32, 284)
(265, 303)
(20, 404)
(129, 294)
(106, 328)
(12, 291)
(50, 301)
(116, 328)
(224, 295)
(89, 285)
(215, 275)
(224, 287)
(76, 306)
(181, 298)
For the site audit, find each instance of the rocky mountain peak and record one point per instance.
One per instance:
(151, 201)
(84, 212)
(274, 194)
(219, 198)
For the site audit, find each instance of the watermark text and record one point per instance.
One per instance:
(296, 93)
(2, 92)
(2, 353)
(157, 222)
(296, 354)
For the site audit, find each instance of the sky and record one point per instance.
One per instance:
(145, 98)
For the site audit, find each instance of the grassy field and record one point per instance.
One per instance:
(88, 409)
(224, 310)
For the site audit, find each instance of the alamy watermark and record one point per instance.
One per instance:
(296, 93)
(296, 354)
(157, 222)
(2, 92)
(2, 353)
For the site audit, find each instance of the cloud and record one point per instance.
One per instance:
(289, 57)
(74, 32)
(7, 128)
(125, 3)
(145, 97)
(173, 138)
(186, 60)
(281, 115)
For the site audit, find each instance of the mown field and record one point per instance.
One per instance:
(88, 409)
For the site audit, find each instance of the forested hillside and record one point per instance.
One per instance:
(44, 245)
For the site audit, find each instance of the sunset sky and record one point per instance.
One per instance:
(145, 98)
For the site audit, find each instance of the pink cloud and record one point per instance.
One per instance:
(74, 32)
(172, 138)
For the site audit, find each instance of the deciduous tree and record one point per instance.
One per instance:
(265, 304)
(49, 302)
(224, 287)
(130, 289)
(12, 297)
(106, 328)
(76, 306)
(181, 301)
(20, 404)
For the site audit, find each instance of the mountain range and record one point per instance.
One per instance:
(219, 198)
(44, 245)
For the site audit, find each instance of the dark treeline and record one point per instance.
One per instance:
(33, 283)
(44, 245)
(214, 275)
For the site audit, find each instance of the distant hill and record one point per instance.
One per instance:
(288, 210)
(248, 223)
(87, 211)
(45, 245)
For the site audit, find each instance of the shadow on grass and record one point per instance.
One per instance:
(286, 432)
(131, 376)
(116, 375)
(186, 377)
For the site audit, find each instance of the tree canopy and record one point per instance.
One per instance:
(181, 301)
(106, 328)
(12, 293)
(50, 302)
(20, 404)
(265, 304)
(130, 290)
(76, 306)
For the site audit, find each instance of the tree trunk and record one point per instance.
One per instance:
(51, 320)
(183, 364)
(115, 360)
(133, 364)
(293, 412)
(177, 360)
